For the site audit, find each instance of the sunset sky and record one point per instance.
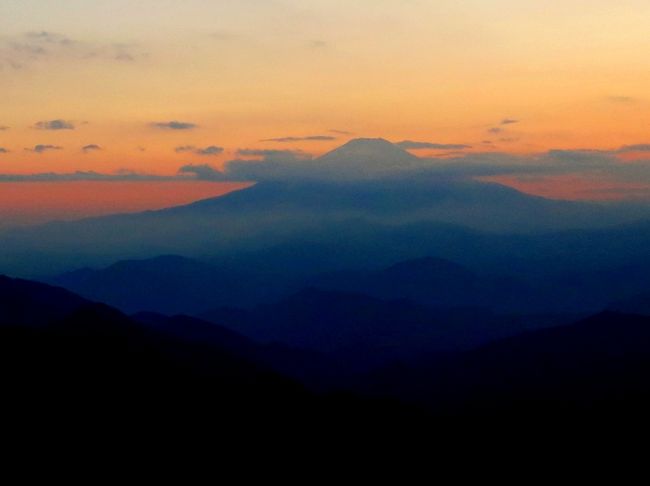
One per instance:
(149, 86)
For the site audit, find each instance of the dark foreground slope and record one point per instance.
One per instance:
(596, 372)
(92, 369)
(84, 368)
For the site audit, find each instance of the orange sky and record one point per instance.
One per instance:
(38, 202)
(572, 74)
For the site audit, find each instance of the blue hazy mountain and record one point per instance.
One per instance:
(165, 284)
(435, 282)
(365, 331)
(367, 183)
(174, 284)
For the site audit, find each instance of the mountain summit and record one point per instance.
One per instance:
(376, 151)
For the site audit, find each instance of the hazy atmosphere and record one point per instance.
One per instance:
(120, 87)
(369, 222)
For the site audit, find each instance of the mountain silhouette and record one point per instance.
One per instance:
(372, 156)
(434, 282)
(637, 304)
(364, 331)
(97, 371)
(26, 303)
(595, 367)
(167, 284)
(375, 191)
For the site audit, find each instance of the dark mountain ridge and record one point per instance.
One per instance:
(307, 204)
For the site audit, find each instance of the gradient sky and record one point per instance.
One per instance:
(108, 75)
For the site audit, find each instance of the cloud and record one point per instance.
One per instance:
(185, 148)
(411, 145)
(91, 148)
(495, 130)
(41, 148)
(202, 172)
(54, 125)
(3, 150)
(509, 121)
(340, 132)
(621, 99)
(3, 128)
(373, 161)
(318, 44)
(316, 138)
(224, 35)
(210, 150)
(174, 125)
(122, 175)
(33, 48)
(641, 147)
(273, 154)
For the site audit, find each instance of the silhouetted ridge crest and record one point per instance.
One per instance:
(368, 147)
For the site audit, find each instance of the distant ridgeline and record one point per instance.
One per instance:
(164, 376)
(368, 201)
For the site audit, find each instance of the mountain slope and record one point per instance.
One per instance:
(166, 284)
(364, 331)
(596, 366)
(27, 303)
(435, 282)
(330, 197)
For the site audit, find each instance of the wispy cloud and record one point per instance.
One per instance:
(292, 154)
(210, 150)
(509, 121)
(641, 147)
(412, 145)
(28, 49)
(621, 99)
(3, 128)
(312, 138)
(318, 44)
(54, 125)
(90, 148)
(605, 165)
(42, 148)
(202, 172)
(4, 150)
(123, 175)
(174, 125)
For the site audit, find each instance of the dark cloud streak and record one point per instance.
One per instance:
(54, 125)
(42, 148)
(411, 145)
(310, 138)
(174, 125)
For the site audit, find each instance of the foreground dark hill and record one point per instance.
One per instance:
(598, 367)
(97, 371)
(369, 184)
(637, 304)
(26, 303)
